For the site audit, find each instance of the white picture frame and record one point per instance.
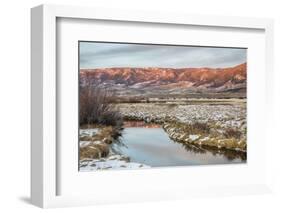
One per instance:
(44, 153)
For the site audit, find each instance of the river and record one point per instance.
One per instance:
(153, 147)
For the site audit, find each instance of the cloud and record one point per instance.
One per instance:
(102, 55)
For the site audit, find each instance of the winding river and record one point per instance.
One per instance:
(153, 147)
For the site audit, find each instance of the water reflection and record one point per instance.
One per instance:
(229, 154)
(152, 146)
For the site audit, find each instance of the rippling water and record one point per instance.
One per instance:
(153, 147)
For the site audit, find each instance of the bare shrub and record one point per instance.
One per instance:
(95, 104)
(232, 133)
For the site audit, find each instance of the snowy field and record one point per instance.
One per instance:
(224, 115)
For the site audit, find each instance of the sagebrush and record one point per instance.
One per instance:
(95, 105)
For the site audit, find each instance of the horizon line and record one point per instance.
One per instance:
(164, 67)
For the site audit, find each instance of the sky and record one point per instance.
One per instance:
(106, 55)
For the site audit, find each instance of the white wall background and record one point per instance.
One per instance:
(15, 104)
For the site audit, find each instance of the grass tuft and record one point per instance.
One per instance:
(232, 133)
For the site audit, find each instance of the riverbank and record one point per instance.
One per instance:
(96, 151)
(203, 135)
(95, 142)
(215, 124)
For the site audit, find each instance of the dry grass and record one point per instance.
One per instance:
(195, 128)
(87, 138)
(106, 134)
(94, 151)
(232, 138)
(99, 146)
(232, 133)
(89, 152)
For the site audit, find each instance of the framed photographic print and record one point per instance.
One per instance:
(187, 106)
(130, 106)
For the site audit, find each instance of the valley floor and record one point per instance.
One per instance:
(209, 124)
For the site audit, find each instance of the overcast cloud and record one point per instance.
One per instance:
(105, 55)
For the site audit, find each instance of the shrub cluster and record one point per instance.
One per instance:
(95, 105)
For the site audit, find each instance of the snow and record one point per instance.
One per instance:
(112, 162)
(193, 137)
(85, 143)
(205, 139)
(88, 132)
(232, 115)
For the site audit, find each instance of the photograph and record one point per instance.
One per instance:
(160, 105)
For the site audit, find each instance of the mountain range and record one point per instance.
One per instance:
(170, 80)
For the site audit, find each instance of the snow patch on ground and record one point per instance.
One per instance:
(193, 137)
(84, 143)
(112, 162)
(88, 132)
